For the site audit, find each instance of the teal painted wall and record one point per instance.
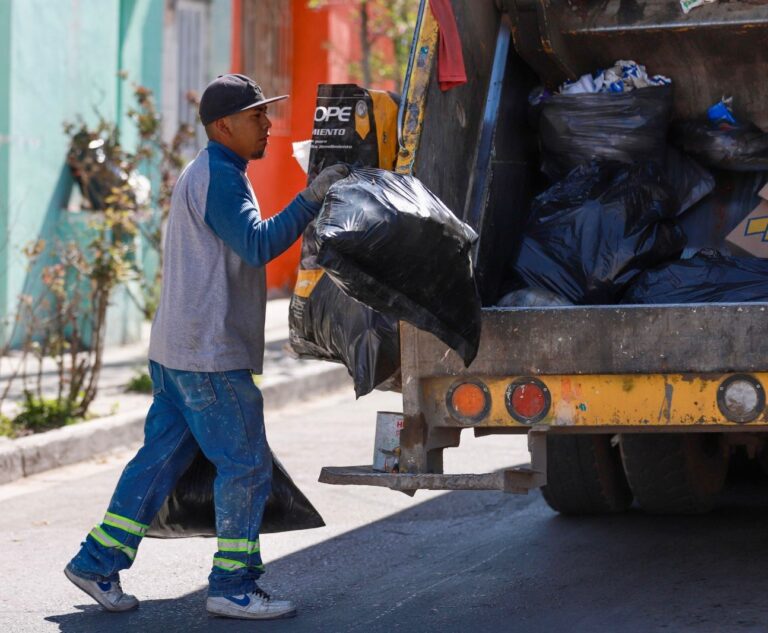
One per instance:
(140, 56)
(141, 34)
(48, 85)
(62, 58)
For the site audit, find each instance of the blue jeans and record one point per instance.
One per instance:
(222, 413)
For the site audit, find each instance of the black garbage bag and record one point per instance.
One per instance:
(189, 511)
(326, 324)
(390, 243)
(591, 234)
(706, 277)
(741, 147)
(625, 127)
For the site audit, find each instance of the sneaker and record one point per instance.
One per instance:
(108, 594)
(257, 605)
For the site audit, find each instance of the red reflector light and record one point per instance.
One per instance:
(528, 400)
(469, 401)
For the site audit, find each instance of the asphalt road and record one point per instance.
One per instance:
(443, 562)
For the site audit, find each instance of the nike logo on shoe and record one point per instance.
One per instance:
(242, 602)
(108, 594)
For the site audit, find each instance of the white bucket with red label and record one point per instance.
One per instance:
(386, 446)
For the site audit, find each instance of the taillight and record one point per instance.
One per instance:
(740, 398)
(528, 400)
(469, 401)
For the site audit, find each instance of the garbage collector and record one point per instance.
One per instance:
(207, 339)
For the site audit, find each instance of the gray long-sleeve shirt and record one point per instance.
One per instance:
(213, 299)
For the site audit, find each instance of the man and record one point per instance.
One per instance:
(207, 339)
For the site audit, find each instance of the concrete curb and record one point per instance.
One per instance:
(314, 380)
(68, 445)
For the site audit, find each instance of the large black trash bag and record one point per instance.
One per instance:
(589, 235)
(189, 509)
(624, 127)
(390, 243)
(706, 277)
(329, 325)
(325, 323)
(741, 147)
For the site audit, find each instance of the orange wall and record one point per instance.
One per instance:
(324, 41)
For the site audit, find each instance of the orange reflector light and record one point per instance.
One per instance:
(469, 400)
(528, 400)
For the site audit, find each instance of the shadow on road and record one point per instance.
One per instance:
(489, 562)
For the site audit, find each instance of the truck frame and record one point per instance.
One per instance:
(633, 401)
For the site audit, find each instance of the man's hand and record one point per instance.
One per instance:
(323, 181)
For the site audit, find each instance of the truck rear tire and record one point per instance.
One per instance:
(675, 473)
(584, 475)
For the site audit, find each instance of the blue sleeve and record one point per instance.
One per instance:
(231, 214)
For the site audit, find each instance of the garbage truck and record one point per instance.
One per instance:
(620, 403)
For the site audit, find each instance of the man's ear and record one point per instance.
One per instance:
(222, 126)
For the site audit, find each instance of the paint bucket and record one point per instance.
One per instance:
(386, 447)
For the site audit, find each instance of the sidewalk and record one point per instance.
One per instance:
(119, 416)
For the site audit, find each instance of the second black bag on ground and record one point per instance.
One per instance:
(189, 510)
(390, 243)
(592, 233)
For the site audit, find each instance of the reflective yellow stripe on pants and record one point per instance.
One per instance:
(125, 524)
(238, 545)
(107, 541)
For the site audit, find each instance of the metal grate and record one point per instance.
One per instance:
(266, 47)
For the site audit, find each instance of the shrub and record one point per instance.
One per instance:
(140, 383)
(42, 414)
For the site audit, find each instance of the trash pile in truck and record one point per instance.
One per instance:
(628, 215)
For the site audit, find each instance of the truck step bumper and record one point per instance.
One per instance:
(513, 480)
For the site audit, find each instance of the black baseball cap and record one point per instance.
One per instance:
(229, 94)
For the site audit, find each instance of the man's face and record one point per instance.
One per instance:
(249, 132)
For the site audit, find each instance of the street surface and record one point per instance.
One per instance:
(443, 562)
